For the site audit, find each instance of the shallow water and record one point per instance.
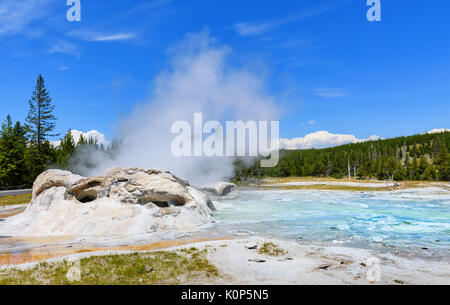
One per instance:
(412, 220)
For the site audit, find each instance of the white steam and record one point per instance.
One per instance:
(200, 79)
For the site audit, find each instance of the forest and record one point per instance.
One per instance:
(417, 157)
(26, 151)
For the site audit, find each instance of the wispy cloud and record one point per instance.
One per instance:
(16, 16)
(102, 37)
(329, 92)
(251, 28)
(312, 122)
(64, 47)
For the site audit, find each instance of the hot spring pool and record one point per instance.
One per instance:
(415, 220)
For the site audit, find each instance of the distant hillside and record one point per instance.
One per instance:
(418, 157)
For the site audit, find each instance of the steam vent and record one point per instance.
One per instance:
(123, 201)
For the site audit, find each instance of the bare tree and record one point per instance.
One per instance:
(391, 177)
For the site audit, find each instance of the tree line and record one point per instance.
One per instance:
(25, 148)
(417, 157)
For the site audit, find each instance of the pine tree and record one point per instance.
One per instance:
(40, 119)
(66, 149)
(12, 154)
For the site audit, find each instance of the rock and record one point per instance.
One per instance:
(219, 188)
(251, 246)
(122, 201)
(257, 260)
(53, 178)
(324, 266)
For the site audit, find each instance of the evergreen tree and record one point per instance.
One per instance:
(12, 153)
(40, 119)
(65, 150)
(418, 157)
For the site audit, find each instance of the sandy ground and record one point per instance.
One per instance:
(239, 263)
(310, 264)
(11, 210)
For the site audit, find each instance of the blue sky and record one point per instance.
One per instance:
(322, 61)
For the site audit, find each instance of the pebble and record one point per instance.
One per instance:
(257, 260)
(324, 266)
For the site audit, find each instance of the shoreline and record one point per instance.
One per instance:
(331, 184)
(240, 262)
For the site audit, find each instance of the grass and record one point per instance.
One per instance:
(331, 187)
(12, 200)
(185, 266)
(337, 187)
(269, 248)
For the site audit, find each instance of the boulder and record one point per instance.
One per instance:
(219, 188)
(122, 201)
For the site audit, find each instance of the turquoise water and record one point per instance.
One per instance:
(402, 220)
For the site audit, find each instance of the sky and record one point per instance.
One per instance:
(335, 76)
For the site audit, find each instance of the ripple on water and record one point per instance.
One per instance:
(396, 219)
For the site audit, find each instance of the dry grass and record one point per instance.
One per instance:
(271, 183)
(12, 200)
(331, 187)
(269, 248)
(185, 266)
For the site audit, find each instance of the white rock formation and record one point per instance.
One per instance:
(219, 188)
(129, 201)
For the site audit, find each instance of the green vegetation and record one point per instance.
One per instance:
(17, 199)
(26, 151)
(188, 266)
(415, 158)
(269, 248)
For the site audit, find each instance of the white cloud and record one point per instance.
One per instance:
(438, 130)
(372, 138)
(64, 47)
(16, 16)
(93, 134)
(248, 28)
(322, 139)
(312, 122)
(102, 37)
(329, 92)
